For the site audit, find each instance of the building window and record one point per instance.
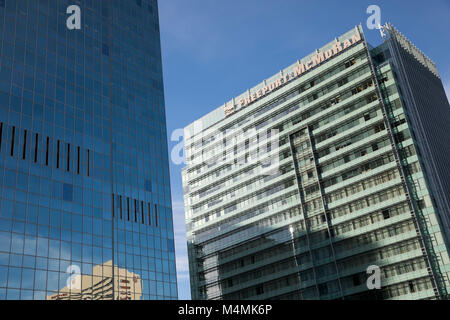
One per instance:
(148, 185)
(259, 290)
(386, 214)
(128, 209)
(24, 150)
(356, 280)
(57, 155)
(120, 206)
(12, 140)
(349, 63)
(67, 192)
(36, 146)
(46, 151)
(342, 82)
(88, 162)
(135, 210)
(323, 289)
(68, 157)
(421, 204)
(105, 49)
(412, 289)
(374, 147)
(379, 127)
(78, 160)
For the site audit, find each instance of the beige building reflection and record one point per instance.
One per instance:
(99, 285)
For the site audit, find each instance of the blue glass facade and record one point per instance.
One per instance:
(85, 209)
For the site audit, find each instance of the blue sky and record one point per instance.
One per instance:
(214, 50)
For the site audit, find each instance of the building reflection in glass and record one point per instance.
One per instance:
(99, 285)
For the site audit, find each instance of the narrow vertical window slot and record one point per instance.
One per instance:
(120, 206)
(36, 146)
(68, 157)
(24, 150)
(57, 155)
(46, 151)
(156, 216)
(142, 212)
(128, 209)
(149, 214)
(13, 136)
(135, 210)
(78, 160)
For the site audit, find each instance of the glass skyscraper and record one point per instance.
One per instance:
(335, 167)
(85, 210)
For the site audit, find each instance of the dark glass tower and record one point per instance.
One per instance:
(85, 209)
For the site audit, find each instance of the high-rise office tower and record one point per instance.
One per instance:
(85, 209)
(324, 178)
